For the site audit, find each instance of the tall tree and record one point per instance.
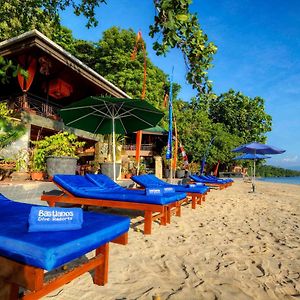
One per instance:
(196, 130)
(112, 60)
(242, 116)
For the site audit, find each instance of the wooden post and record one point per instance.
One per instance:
(101, 272)
(148, 222)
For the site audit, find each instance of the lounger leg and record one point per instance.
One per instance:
(148, 222)
(199, 200)
(194, 201)
(178, 209)
(8, 291)
(167, 216)
(101, 272)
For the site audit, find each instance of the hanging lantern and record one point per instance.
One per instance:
(58, 89)
(28, 63)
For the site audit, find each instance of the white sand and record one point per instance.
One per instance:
(237, 245)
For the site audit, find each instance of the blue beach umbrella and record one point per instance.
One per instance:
(255, 149)
(250, 156)
(258, 148)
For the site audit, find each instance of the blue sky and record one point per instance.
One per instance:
(258, 55)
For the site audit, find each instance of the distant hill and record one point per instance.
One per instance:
(297, 168)
(271, 171)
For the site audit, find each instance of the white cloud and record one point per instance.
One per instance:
(291, 159)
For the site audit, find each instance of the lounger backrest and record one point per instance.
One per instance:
(196, 178)
(103, 181)
(148, 180)
(75, 183)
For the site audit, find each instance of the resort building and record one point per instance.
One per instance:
(56, 79)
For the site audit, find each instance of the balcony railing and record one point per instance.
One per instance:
(35, 105)
(144, 147)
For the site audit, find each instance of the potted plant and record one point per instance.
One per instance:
(142, 169)
(59, 152)
(21, 159)
(125, 172)
(37, 164)
(180, 172)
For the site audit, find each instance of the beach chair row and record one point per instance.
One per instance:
(24, 256)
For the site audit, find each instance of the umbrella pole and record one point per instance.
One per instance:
(114, 149)
(253, 183)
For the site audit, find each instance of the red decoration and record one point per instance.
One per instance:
(59, 89)
(28, 63)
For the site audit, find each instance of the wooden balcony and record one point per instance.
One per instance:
(34, 105)
(146, 150)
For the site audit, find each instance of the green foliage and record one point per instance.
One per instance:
(242, 116)
(180, 29)
(21, 159)
(270, 171)
(37, 160)
(196, 130)
(10, 130)
(8, 70)
(19, 16)
(112, 60)
(60, 144)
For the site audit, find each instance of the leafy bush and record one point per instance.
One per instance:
(60, 144)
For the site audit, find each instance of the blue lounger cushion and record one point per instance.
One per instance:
(81, 186)
(217, 178)
(149, 180)
(43, 218)
(203, 179)
(49, 251)
(106, 182)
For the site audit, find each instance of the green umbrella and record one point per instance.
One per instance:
(105, 115)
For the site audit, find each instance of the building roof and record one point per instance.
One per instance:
(35, 39)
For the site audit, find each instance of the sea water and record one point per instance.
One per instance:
(290, 180)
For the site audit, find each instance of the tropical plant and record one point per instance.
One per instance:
(21, 159)
(10, 130)
(37, 160)
(60, 144)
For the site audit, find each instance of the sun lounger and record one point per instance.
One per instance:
(227, 181)
(194, 192)
(24, 256)
(80, 190)
(210, 182)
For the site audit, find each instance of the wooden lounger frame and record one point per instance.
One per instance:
(152, 212)
(14, 275)
(219, 186)
(196, 198)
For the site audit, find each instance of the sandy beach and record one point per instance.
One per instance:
(236, 245)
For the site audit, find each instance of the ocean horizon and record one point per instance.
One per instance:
(290, 180)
